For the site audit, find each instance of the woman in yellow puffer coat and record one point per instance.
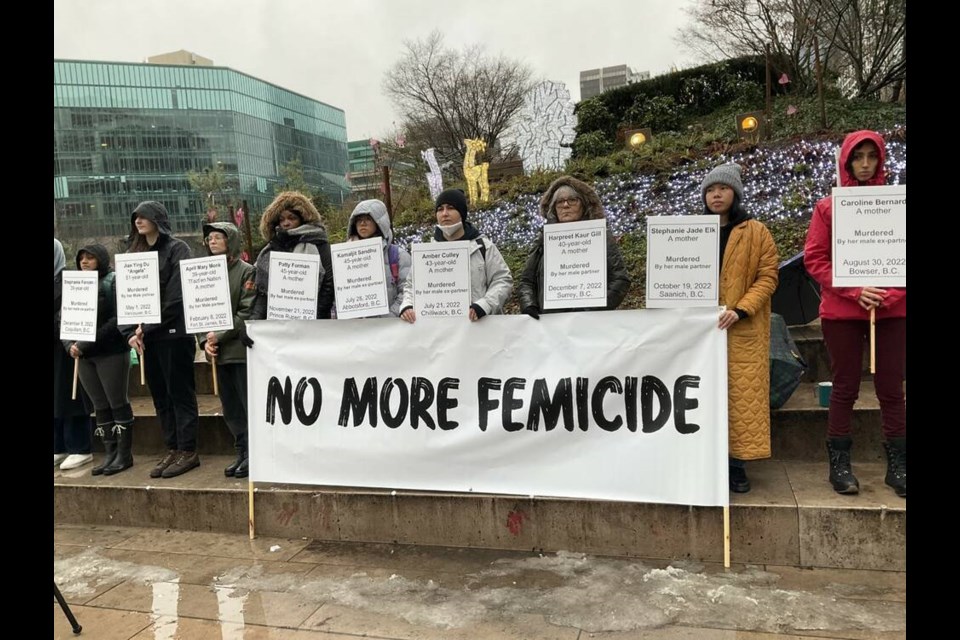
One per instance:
(748, 278)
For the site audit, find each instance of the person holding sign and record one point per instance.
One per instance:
(71, 417)
(570, 200)
(748, 278)
(291, 224)
(490, 280)
(223, 238)
(370, 219)
(844, 317)
(104, 367)
(166, 348)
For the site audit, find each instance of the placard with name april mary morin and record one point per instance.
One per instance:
(870, 236)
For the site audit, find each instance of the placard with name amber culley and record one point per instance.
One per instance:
(683, 261)
(575, 264)
(78, 309)
(138, 287)
(206, 294)
(870, 236)
(359, 279)
(441, 278)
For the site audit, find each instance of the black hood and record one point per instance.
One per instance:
(100, 253)
(153, 211)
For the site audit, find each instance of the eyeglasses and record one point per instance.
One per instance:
(567, 202)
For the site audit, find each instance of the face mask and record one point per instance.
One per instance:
(450, 230)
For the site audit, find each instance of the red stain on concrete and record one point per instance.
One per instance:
(286, 513)
(515, 521)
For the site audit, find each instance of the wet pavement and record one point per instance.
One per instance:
(154, 584)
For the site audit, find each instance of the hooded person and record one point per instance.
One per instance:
(223, 238)
(748, 278)
(104, 367)
(370, 219)
(291, 224)
(167, 350)
(845, 321)
(490, 280)
(71, 417)
(570, 200)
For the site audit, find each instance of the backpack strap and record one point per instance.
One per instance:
(483, 248)
(393, 254)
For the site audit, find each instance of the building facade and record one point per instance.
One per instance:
(364, 179)
(593, 82)
(125, 133)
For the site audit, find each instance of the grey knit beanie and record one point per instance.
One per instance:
(728, 174)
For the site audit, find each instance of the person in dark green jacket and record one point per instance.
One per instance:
(223, 238)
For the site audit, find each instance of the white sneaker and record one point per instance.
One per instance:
(75, 460)
(58, 458)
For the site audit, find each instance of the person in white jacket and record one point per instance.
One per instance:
(490, 280)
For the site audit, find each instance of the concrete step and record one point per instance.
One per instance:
(791, 517)
(798, 429)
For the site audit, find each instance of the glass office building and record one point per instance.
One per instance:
(125, 133)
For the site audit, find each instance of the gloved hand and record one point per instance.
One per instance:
(246, 340)
(533, 311)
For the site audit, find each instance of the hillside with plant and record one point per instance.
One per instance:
(692, 115)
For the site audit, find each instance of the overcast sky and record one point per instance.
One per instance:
(337, 51)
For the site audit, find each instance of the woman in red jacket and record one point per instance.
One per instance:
(844, 314)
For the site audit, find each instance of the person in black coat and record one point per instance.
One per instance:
(570, 200)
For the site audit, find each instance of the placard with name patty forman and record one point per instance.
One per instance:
(78, 309)
(138, 287)
(683, 261)
(292, 290)
(870, 236)
(359, 279)
(206, 294)
(441, 278)
(575, 264)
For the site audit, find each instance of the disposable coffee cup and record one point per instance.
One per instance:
(823, 393)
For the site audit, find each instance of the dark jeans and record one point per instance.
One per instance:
(232, 379)
(846, 340)
(168, 365)
(71, 435)
(106, 380)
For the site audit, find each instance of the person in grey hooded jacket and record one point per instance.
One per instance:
(223, 238)
(370, 219)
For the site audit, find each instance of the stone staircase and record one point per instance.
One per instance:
(791, 517)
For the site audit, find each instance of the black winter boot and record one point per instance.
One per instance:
(124, 459)
(243, 469)
(232, 469)
(896, 449)
(841, 477)
(105, 431)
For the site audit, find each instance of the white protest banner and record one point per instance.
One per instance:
(634, 408)
(575, 265)
(292, 290)
(206, 294)
(441, 279)
(138, 287)
(870, 236)
(359, 280)
(78, 309)
(683, 261)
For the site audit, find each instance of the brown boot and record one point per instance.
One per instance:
(165, 462)
(188, 460)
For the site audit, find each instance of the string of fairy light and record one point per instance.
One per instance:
(779, 183)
